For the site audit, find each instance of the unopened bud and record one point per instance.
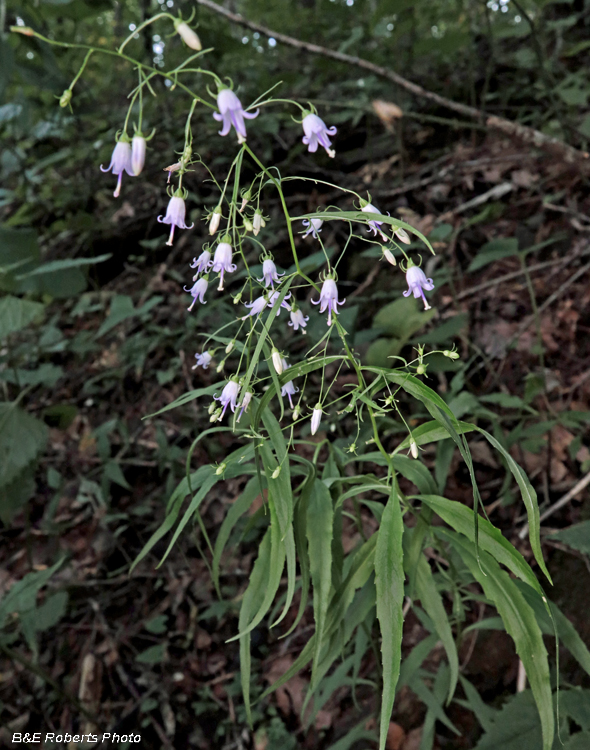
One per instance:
(65, 98)
(414, 448)
(216, 415)
(421, 369)
(212, 407)
(220, 366)
(237, 298)
(277, 361)
(450, 354)
(402, 235)
(229, 347)
(389, 256)
(296, 414)
(248, 226)
(257, 223)
(26, 30)
(188, 36)
(215, 219)
(220, 469)
(276, 472)
(187, 154)
(352, 448)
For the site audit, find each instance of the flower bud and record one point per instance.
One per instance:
(216, 415)
(220, 366)
(188, 36)
(215, 219)
(212, 407)
(65, 98)
(402, 235)
(186, 155)
(237, 298)
(296, 414)
(389, 256)
(248, 226)
(421, 369)
(414, 448)
(220, 469)
(276, 472)
(258, 222)
(277, 360)
(229, 347)
(316, 418)
(450, 354)
(138, 147)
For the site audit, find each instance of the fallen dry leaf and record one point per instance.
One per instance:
(395, 736)
(387, 112)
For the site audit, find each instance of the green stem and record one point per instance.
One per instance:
(142, 26)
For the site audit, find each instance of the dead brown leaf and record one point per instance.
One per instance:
(395, 736)
(387, 112)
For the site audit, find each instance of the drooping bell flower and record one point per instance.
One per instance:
(274, 297)
(417, 283)
(175, 214)
(316, 418)
(198, 290)
(288, 389)
(245, 404)
(329, 298)
(258, 222)
(222, 260)
(229, 396)
(203, 360)
(231, 113)
(316, 132)
(120, 162)
(188, 36)
(298, 319)
(138, 148)
(256, 307)
(374, 226)
(269, 273)
(314, 226)
(202, 263)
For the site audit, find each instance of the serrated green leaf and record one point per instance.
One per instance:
(516, 726)
(16, 313)
(389, 584)
(22, 439)
(576, 537)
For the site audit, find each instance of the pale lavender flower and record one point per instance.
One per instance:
(375, 225)
(269, 273)
(231, 113)
(203, 360)
(256, 307)
(316, 132)
(120, 162)
(138, 147)
(202, 263)
(329, 298)
(222, 261)
(245, 403)
(175, 214)
(417, 283)
(229, 395)
(298, 319)
(198, 291)
(314, 226)
(288, 389)
(316, 418)
(274, 297)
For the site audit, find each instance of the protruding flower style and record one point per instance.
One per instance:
(256, 307)
(274, 297)
(222, 260)
(229, 395)
(288, 389)
(277, 361)
(215, 219)
(417, 283)
(203, 360)
(329, 298)
(389, 256)
(198, 291)
(413, 448)
(269, 273)
(298, 319)
(314, 227)
(138, 147)
(120, 162)
(316, 132)
(231, 113)
(245, 404)
(316, 418)
(175, 214)
(202, 263)
(258, 222)
(374, 226)
(188, 36)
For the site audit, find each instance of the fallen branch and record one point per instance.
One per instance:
(523, 133)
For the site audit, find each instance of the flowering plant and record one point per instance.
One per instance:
(310, 483)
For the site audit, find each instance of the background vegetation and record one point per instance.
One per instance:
(95, 336)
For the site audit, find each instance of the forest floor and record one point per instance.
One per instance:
(146, 652)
